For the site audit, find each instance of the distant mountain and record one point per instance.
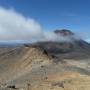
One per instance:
(76, 49)
(12, 43)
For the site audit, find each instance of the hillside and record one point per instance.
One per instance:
(46, 65)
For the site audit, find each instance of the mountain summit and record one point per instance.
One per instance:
(64, 32)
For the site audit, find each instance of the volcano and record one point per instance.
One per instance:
(74, 49)
(46, 65)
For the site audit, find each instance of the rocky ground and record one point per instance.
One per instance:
(31, 68)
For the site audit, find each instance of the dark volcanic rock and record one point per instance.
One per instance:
(64, 32)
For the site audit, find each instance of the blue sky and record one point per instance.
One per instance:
(54, 14)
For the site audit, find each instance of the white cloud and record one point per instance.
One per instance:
(14, 26)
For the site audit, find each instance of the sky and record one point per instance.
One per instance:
(44, 14)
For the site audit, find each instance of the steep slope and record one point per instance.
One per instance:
(15, 62)
(66, 50)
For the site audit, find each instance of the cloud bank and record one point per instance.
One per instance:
(14, 26)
